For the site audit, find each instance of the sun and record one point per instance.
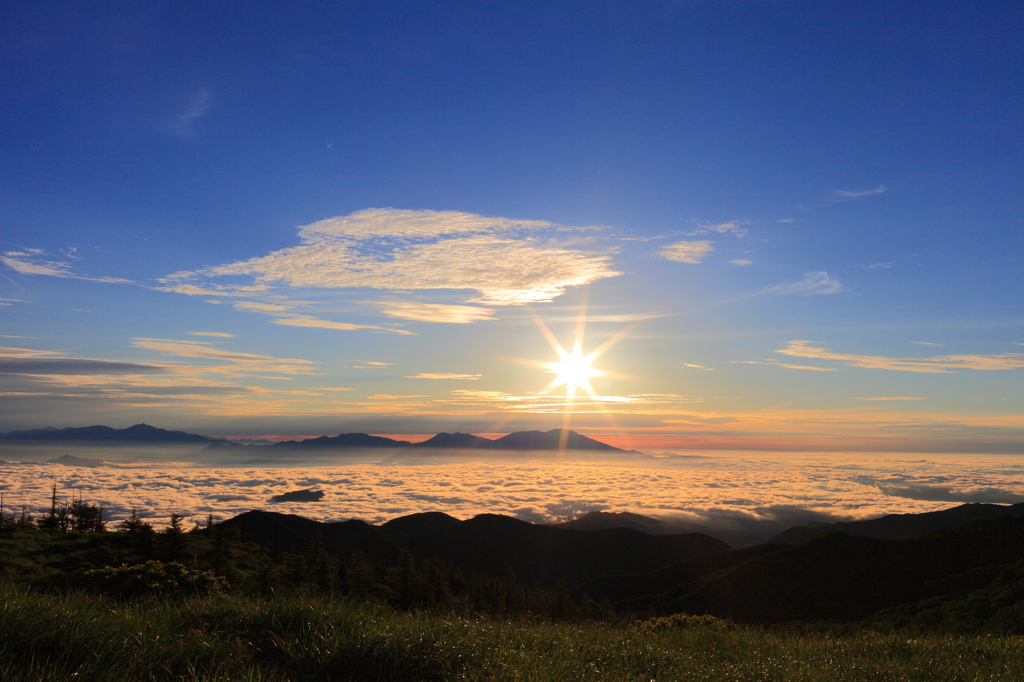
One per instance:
(574, 371)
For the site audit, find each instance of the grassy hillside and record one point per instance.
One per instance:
(231, 638)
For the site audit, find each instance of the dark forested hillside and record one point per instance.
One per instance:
(897, 526)
(833, 577)
(489, 543)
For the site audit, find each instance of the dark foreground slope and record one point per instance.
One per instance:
(489, 544)
(837, 576)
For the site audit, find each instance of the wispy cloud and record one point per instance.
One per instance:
(686, 252)
(35, 262)
(195, 107)
(388, 396)
(935, 365)
(708, 369)
(369, 364)
(812, 283)
(775, 363)
(891, 398)
(283, 316)
(741, 261)
(221, 335)
(317, 323)
(878, 266)
(849, 195)
(39, 366)
(168, 284)
(256, 307)
(7, 352)
(247, 362)
(733, 227)
(507, 262)
(436, 312)
(926, 343)
(441, 375)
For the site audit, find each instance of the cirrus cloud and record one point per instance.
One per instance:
(812, 283)
(35, 262)
(936, 365)
(436, 312)
(316, 323)
(734, 227)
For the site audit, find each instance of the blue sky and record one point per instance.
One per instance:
(804, 218)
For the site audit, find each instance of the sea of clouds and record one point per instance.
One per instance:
(742, 498)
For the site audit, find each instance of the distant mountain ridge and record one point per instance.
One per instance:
(342, 440)
(140, 433)
(555, 439)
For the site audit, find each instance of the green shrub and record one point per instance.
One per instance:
(152, 578)
(683, 621)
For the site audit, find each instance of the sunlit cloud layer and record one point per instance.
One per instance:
(507, 262)
(741, 497)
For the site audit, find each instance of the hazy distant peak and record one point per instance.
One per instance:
(455, 440)
(71, 460)
(137, 433)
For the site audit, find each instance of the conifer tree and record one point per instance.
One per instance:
(174, 541)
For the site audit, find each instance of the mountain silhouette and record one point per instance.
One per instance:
(896, 526)
(342, 440)
(299, 496)
(488, 543)
(291, 533)
(454, 441)
(144, 433)
(140, 433)
(414, 523)
(72, 461)
(548, 440)
(599, 520)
